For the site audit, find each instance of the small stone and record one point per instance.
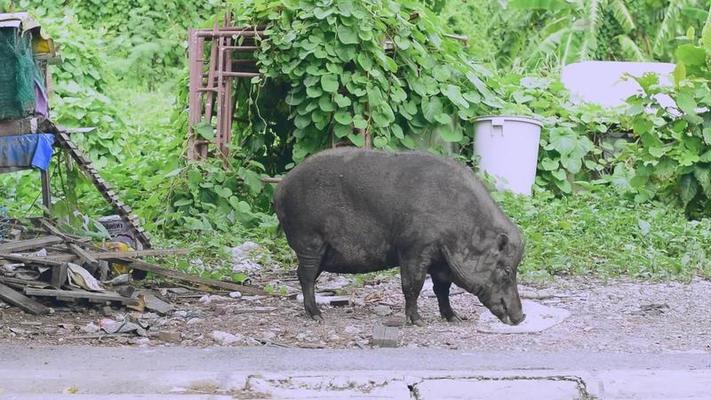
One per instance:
(170, 336)
(141, 341)
(382, 310)
(194, 321)
(235, 295)
(224, 338)
(268, 335)
(90, 328)
(206, 299)
(351, 330)
(181, 313)
(107, 311)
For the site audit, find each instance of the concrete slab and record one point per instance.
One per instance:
(538, 318)
(501, 388)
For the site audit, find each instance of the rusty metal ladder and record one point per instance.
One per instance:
(124, 211)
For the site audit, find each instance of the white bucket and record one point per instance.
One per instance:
(507, 148)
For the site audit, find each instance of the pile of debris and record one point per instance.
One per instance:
(40, 264)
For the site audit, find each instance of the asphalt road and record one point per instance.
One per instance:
(235, 372)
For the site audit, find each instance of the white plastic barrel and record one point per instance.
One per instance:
(507, 148)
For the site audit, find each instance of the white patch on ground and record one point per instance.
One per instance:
(243, 257)
(538, 319)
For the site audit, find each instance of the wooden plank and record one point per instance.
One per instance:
(30, 244)
(83, 255)
(80, 295)
(139, 253)
(181, 276)
(16, 298)
(59, 277)
(46, 261)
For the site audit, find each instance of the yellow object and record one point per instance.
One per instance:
(118, 268)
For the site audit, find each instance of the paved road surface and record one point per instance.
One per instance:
(68, 372)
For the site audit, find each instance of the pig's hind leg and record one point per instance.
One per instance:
(308, 271)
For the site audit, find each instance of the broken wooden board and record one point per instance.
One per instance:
(16, 298)
(30, 244)
(80, 295)
(46, 261)
(181, 276)
(59, 277)
(139, 253)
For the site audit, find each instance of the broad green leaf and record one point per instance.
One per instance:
(325, 104)
(347, 35)
(380, 142)
(329, 83)
(455, 96)
(357, 140)
(431, 107)
(450, 135)
(549, 165)
(342, 131)
(359, 122)
(703, 177)
(342, 101)
(686, 103)
(689, 189)
(443, 118)
(691, 55)
(343, 117)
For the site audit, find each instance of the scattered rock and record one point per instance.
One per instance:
(226, 339)
(244, 257)
(235, 295)
(153, 303)
(90, 328)
(170, 336)
(194, 321)
(382, 310)
(351, 330)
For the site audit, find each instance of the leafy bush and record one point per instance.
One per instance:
(603, 234)
(340, 80)
(143, 38)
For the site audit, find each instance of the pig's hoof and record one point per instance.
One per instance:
(454, 318)
(418, 321)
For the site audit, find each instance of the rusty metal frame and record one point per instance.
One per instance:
(211, 97)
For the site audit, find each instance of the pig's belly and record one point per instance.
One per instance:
(361, 253)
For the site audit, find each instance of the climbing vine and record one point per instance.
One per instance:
(354, 69)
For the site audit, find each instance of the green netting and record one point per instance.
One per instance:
(17, 73)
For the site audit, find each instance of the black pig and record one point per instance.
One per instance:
(350, 210)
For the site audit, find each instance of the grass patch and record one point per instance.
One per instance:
(604, 235)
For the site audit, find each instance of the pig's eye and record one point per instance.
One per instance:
(508, 272)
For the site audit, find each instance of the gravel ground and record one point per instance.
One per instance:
(618, 315)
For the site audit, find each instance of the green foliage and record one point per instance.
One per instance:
(602, 234)
(535, 34)
(341, 81)
(144, 39)
(80, 81)
(671, 156)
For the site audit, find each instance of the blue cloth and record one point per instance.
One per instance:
(25, 151)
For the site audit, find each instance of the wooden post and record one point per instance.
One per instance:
(46, 191)
(195, 47)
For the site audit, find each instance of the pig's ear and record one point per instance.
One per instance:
(501, 241)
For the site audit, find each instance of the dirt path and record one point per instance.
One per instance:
(614, 316)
